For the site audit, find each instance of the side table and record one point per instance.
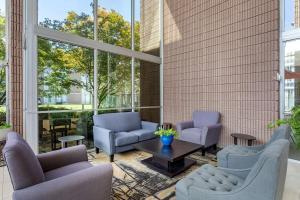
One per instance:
(70, 138)
(249, 138)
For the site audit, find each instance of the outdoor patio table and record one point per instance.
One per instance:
(70, 138)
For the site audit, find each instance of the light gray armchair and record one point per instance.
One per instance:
(264, 181)
(62, 175)
(117, 132)
(239, 157)
(204, 129)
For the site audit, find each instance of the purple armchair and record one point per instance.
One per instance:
(64, 174)
(203, 129)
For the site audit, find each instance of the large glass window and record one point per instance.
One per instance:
(114, 81)
(114, 22)
(292, 14)
(67, 16)
(3, 64)
(65, 76)
(103, 70)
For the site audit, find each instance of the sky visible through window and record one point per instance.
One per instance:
(58, 9)
(2, 7)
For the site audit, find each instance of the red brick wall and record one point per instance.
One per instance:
(222, 55)
(16, 65)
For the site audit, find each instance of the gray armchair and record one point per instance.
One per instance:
(62, 175)
(117, 132)
(264, 181)
(204, 129)
(239, 157)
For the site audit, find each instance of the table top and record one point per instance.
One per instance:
(177, 150)
(243, 136)
(71, 138)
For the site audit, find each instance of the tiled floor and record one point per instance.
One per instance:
(291, 192)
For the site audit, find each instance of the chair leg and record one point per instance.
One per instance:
(111, 158)
(203, 152)
(97, 150)
(215, 146)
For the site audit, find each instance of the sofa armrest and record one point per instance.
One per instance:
(242, 173)
(184, 125)
(149, 125)
(104, 139)
(212, 135)
(92, 183)
(60, 158)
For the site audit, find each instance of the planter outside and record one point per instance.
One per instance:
(3, 133)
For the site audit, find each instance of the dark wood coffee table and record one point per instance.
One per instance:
(168, 160)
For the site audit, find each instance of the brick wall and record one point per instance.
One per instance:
(16, 65)
(222, 55)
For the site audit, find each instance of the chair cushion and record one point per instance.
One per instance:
(205, 118)
(23, 166)
(68, 169)
(209, 178)
(240, 150)
(143, 134)
(118, 122)
(125, 138)
(194, 135)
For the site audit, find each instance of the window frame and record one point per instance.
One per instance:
(31, 33)
(285, 36)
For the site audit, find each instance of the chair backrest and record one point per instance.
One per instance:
(282, 132)
(267, 177)
(205, 118)
(124, 121)
(23, 165)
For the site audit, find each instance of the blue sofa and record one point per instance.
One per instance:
(264, 181)
(117, 132)
(239, 157)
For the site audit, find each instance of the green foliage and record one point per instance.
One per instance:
(58, 62)
(293, 121)
(4, 125)
(166, 132)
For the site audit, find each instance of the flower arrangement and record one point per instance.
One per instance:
(166, 132)
(166, 135)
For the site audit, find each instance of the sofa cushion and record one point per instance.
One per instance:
(194, 134)
(143, 134)
(65, 170)
(125, 138)
(209, 178)
(125, 121)
(205, 118)
(23, 166)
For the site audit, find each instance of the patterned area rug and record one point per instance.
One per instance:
(133, 181)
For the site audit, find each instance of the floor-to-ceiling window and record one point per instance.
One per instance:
(290, 59)
(89, 57)
(4, 108)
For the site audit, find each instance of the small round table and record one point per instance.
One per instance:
(70, 138)
(249, 138)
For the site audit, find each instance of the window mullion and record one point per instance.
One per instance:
(95, 100)
(132, 58)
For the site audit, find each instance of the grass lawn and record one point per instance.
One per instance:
(65, 107)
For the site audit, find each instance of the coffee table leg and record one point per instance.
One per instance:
(63, 144)
(249, 142)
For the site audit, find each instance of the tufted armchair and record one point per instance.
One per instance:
(239, 157)
(204, 129)
(264, 181)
